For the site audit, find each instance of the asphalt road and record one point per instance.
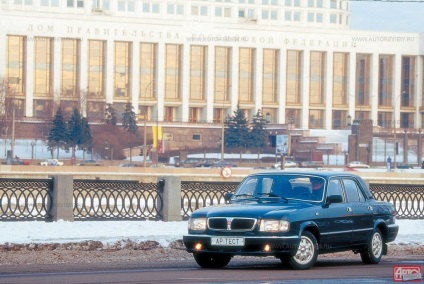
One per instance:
(267, 270)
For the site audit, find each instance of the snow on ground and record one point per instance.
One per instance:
(109, 232)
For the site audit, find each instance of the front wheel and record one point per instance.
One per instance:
(374, 251)
(208, 260)
(306, 254)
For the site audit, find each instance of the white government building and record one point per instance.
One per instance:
(195, 61)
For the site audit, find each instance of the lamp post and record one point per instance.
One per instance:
(223, 124)
(145, 126)
(394, 129)
(32, 150)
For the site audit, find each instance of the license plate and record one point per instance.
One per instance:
(227, 241)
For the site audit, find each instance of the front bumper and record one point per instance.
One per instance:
(253, 245)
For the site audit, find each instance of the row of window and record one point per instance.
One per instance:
(223, 64)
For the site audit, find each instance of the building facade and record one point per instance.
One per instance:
(185, 63)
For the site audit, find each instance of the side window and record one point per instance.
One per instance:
(248, 187)
(334, 188)
(353, 193)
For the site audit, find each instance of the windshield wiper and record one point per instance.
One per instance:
(246, 196)
(272, 195)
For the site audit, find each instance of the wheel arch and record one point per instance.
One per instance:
(381, 225)
(311, 227)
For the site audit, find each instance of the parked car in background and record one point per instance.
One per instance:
(404, 166)
(89, 163)
(310, 164)
(188, 163)
(205, 163)
(293, 216)
(287, 164)
(130, 165)
(51, 162)
(17, 162)
(221, 164)
(357, 164)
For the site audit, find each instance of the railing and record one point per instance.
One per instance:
(31, 199)
(195, 195)
(25, 199)
(94, 199)
(407, 199)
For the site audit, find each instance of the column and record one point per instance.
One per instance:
(57, 63)
(234, 78)
(29, 78)
(351, 85)
(83, 75)
(374, 86)
(397, 92)
(258, 75)
(185, 81)
(210, 79)
(135, 75)
(281, 86)
(305, 75)
(109, 84)
(328, 90)
(3, 43)
(418, 91)
(160, 81)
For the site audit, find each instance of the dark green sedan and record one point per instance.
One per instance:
(293, 216)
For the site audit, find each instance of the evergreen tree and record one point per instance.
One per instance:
(58, 134)
(110, 115)
(86, 137)
(258, 133)
(74, 130)
(236, 132)
(128, 119)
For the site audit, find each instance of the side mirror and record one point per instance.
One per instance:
(334, 199)
(228, 196)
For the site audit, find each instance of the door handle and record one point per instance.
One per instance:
(349, 209)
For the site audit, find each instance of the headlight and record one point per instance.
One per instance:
(274, 226)
(197, 224)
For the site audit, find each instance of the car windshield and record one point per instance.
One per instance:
(299, 187)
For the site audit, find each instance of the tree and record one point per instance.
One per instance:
(128, 119)
(110, 115)
(237, 131)
(74, 130)
(58, 135)
(258, 133)
(86, 137)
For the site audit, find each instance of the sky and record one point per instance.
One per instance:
(110, 232)
(384, 16)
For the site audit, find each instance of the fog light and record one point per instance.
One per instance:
(267, 248)
(198, 246)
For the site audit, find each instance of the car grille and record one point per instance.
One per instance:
(231, 224)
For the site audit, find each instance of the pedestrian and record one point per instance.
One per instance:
(389, 163)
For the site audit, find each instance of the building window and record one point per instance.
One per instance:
(340, 72)
(317, 78)
(96, 63)
(194, 114)
(197, 137)
(363, 79)
(172, 71)
(333, 18)
(408, 81)
(385, 80)
(15, 64)
(269, 76)
(294, 76)
(43, 50)
(246, 74)
(122, 70)
(316, 118)
(148, 69)
(197, 72)
(222, 73)
(70, 68)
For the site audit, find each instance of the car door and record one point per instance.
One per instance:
(337, 229)
(362, 211)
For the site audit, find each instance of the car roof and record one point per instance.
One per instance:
(323, 174)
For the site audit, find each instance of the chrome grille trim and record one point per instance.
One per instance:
(228, 224)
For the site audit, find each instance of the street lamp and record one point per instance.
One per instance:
(145, 126)
(32, 150)
(223, 124)
(394, 129)
(268, 117)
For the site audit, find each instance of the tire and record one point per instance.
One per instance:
(374, 250)
(307, 252)
(207, 260)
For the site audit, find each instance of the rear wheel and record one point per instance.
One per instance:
(374, 251)
(208, 260)
(306, 254)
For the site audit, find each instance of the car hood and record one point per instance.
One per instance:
(252, 209)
